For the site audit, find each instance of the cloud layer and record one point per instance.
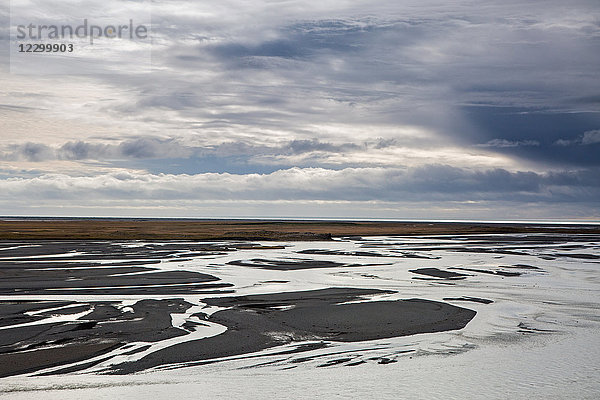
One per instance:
(413, 102)
(431, 182)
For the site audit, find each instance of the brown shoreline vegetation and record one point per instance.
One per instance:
(178, 229)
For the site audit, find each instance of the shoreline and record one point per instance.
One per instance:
(269, 230)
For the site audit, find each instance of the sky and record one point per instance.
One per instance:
(312, 109)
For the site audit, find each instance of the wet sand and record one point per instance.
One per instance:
(33, 347)
(253, 323)
(438, 273)
(44, 332)
(258, 322)
(31, 340)
(293, 264)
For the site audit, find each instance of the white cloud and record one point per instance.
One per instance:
(588, 137)
(349, 184)
(591, 137)
(503, 143)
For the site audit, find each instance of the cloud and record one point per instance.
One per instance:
(503, 143)
(151, 147)
(139, 148)
(358, 63)
(549, 138)
(433, 182)
(359, 95)
(588, 138)
(591, 137)
(563, 142)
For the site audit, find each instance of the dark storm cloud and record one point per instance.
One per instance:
(531, 73)
(554, 138)
(504, 185)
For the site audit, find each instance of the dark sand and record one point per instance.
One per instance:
(293, 264)
(22, 272)
(104, 329)
(83, 274)
(20, 363)
(521, 266)
(254, 323)
(489, 272)
(438, 273)
(468, 298)
(257, 322)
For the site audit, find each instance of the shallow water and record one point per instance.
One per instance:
(538, 338)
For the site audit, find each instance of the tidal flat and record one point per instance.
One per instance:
(455, 315)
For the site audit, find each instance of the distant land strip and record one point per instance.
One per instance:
(276, 230)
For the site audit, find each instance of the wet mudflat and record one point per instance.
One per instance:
(33, 332)
(122, 307)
